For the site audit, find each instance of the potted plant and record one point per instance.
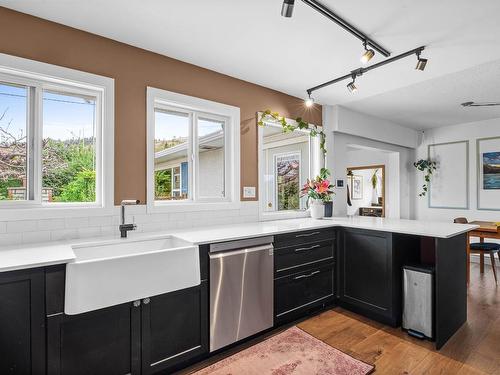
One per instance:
(318, 192)
(428, 167)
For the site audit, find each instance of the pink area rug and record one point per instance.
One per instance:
(290, 352)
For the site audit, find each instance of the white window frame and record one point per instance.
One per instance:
(316, 162)
(44, 76)
(206, 109)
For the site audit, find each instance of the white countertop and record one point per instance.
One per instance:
(31, 256)
(231, 232)
(50, 253)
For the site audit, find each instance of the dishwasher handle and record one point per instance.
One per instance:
(225, 254)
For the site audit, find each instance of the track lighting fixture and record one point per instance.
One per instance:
(351, 86)
(287, 11)
(287, 8)
(368, 55)
(309, 102)
(480, 104)
(421, 63)
(360, 71)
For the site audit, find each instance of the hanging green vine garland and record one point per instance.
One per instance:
(428, 167)
(314, 130)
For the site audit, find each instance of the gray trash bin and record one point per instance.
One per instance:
(418, 301)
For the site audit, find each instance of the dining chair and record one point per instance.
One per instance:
(483, 248)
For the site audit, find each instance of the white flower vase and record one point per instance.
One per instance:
(317, 209)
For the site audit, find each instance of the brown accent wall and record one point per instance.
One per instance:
(133, 69)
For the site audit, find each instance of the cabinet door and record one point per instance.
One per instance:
(105, 341)
(22, 317)
(297, 293)
(366, 272)
(174, 328)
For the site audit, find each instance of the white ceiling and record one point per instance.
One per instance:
(436, 102)
(248, 39)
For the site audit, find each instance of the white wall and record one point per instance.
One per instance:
(395, 139)
(343, 120)
(470, 132)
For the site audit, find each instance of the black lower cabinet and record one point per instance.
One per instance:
(300, 292)
(152, 335)
(105, 341)
(366, 274)
(174, 329)
(22, 322)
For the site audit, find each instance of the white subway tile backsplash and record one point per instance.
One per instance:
(100, 221)
(150, 227)
(64, 234)
(77, 222)
(10, 239)
(22, 226)
(39, 236)
(51, 224)
(89, 232)
(30, 231)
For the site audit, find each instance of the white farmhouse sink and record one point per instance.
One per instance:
(114, 272)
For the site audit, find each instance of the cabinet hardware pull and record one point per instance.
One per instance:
(307, 234)
(137, 303)
(306, 248)
(305, 276)
(145, 301)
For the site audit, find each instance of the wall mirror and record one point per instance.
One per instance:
(366, 189)
(286, 160)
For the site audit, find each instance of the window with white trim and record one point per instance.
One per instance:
(51, 137)
(192, 145)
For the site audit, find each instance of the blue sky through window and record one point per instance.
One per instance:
(64, 116)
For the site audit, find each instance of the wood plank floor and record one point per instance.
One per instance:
(474, 349)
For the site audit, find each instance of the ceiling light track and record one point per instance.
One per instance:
(480, 104)
(360, 71)
(287, 11)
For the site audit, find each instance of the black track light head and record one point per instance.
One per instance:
(367, 55)
(351, 86)
(421, 63)
(287, 8)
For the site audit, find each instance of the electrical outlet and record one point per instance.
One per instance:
(249, 192)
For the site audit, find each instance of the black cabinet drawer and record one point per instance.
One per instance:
(286, 259)
(304, 237)
(302, 290)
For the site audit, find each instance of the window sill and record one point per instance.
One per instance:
(172, 207)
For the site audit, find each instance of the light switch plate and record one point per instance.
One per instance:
(249, 192)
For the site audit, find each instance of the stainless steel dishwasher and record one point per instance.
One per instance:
(241, 289)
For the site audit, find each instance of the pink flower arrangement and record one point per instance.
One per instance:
(318, 188)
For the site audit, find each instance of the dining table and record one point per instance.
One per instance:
(487, 229)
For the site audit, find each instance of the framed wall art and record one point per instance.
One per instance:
(357, 187)
(488, 173)
(449, 185)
